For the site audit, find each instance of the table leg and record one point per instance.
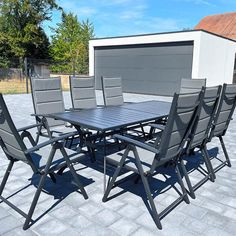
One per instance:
(104, 156)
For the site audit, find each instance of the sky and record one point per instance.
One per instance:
(131, 17)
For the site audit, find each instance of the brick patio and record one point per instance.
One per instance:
(64, 211)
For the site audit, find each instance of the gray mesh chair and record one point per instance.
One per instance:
(47, 98)
(200, 131)
(44, 158)
(223, 117)
(112, 91)
(192, 85)
(143, 158)
(83, 92)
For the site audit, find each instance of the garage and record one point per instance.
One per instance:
(155, 64)
(149, 69)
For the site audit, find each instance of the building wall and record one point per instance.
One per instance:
(213, 56)
(216, 59)
(149, 69)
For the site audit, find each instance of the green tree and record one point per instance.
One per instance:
(21, 32)
(69, 47)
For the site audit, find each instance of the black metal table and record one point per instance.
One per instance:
(108, 120)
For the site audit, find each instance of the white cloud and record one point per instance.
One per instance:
(81, 11)
(198, 2)
(86, 11)
(136, 12)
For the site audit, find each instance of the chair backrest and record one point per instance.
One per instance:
(203, 122)
(225, 110)
(82, 90)
(112, 91)
(11, 142)
(183, 112)
(47, 97)
(192, 85)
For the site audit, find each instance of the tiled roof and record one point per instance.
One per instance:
(222, 24)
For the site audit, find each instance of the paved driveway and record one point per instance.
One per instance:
(213, 212)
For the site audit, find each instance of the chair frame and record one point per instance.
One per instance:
(158, 152)
(103, 89)
(191, 88)
(201, 144)
(72, 92)
(212, 134)
(56, 143)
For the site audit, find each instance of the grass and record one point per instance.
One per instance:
(13, 86)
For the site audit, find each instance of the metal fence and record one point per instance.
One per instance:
(17, 79)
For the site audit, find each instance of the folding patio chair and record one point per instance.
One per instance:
(199, 134)
(44, 158)
(83, 96)
(144, 158)
(112, 91)
(83, 92)
(113, 95)
(191, 85)
(47, 98)
(222, 119)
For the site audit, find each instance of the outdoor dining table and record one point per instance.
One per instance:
(110, 120)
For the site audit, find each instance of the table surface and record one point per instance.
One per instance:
(113, 117)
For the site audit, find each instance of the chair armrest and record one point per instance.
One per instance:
(136, 143)
(29, 127)
(41, 115)
(157, 126)
(51, 141)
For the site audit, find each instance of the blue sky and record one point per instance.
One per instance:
(127, 17)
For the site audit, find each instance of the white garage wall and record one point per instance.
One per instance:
(181, 36)
(213, 56)
(216, 59)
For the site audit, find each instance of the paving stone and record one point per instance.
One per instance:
(215, 219)
(98, 231)
(196, 211)
(125, 214)
(146, 232)
(80, 222)
(51, 227)
(20, 232)
(230, 227)
(146, 221)
(3, 213)
(124, 227)
(63, 213)
(90, 208)
(216, 232)
(130, 211)
(8, 223)
(106, 217)
(194, 225)
(230, 213)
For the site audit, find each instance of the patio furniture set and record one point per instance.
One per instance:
(196, 115)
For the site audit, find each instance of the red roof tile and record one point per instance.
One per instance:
(222, 24)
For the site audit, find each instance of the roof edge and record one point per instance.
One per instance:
(171, 32)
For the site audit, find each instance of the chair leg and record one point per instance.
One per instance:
(225, 151)
(34, 202)
(39, 189)
(115, 175)
(181, 183)
(5, 178)
(190, 187)
(208, 164)
(144, 179)
(73, 172)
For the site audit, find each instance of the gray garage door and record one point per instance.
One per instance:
(149, 69)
